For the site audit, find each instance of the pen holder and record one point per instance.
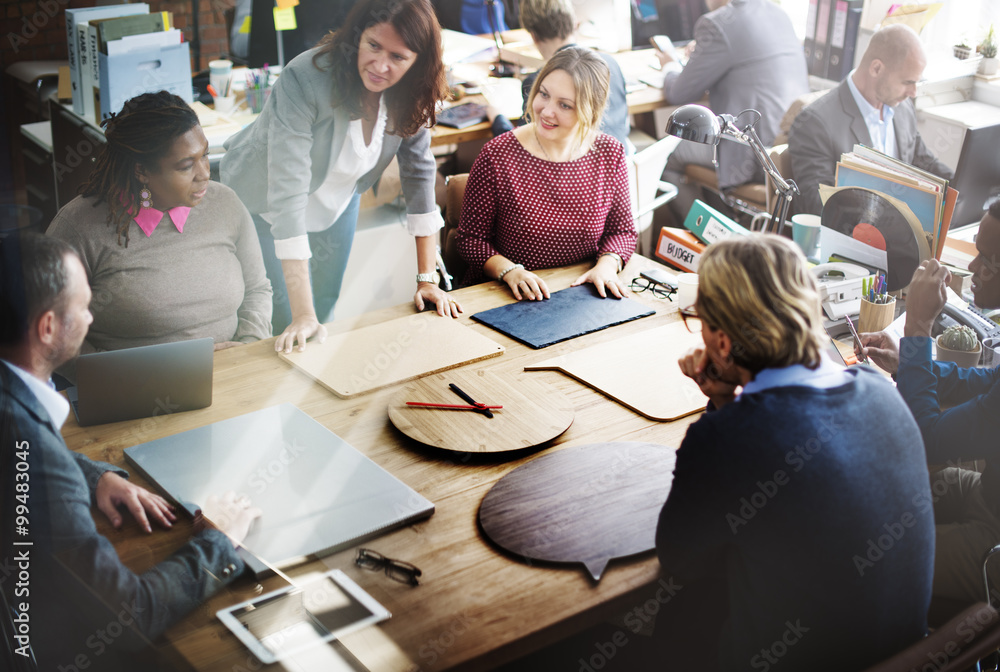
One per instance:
(876, 316)
(256, 98)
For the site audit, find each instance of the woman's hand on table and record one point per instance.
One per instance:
(696, 365)
(300, 330)
(526, 285)
(225, 345)
(604, 276)
(429, 292)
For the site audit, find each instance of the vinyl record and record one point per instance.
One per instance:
(871, 219)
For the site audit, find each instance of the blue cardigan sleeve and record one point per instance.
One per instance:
(969, 426)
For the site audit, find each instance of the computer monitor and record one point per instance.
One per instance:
(673, 18)
(977, 178)
(315, 18)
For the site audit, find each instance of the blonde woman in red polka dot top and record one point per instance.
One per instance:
(553, 192)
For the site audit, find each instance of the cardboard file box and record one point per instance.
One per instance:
(127, 75)
(679, 248)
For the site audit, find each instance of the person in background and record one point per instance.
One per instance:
(475, 17)
(958, 411)
(871, 107)
(336, 117)
(170, 254)
(787, 488)
(553, 192)
(77, 583)
(552, 26)
(746, 56)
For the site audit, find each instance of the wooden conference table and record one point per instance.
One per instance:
(477, 606)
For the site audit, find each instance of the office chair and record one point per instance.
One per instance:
(648, 191)
(961, 644)
(957, 646)
(454, 193)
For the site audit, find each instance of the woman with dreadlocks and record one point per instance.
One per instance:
(170, 255)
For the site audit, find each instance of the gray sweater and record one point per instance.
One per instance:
(206, 282)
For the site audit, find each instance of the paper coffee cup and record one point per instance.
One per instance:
(805, 233)
(687, 290)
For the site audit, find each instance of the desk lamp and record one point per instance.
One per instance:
(700, 124)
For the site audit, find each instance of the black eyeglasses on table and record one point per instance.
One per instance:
(639, 285)
(397, 570)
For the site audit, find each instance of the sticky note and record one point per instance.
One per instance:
(284, 19)
(245, 28)
(285, 4)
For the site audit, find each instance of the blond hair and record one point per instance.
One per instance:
(591, 78)
(548, 19)
(758, 290)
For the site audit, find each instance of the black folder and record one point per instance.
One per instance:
(567, 314)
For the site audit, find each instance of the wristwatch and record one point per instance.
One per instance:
(433, 278)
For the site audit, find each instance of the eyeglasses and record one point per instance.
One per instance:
(639, 285)
(691, 320)
(397, 570)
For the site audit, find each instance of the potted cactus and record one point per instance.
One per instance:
(988, 50)
(959, 344)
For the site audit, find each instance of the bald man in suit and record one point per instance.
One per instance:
(872, 107)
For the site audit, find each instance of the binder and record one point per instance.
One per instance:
(76, 40)
(840, 62)
(809, 43)
(709, 224)
(820, 58)
(851, 39)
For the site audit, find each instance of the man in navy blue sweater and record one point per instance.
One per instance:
(803, 489)
(966, 502)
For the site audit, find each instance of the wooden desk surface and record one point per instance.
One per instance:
(477, 606)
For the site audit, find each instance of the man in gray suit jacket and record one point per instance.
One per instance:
(77, 605)
(870, 107)
(746, 56)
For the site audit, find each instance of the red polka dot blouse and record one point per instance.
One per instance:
(543, 214)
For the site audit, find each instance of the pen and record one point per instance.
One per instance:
(857, 339)
(460, 407)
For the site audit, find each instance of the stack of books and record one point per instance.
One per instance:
(113, 31)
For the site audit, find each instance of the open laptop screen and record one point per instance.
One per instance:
(142, 382)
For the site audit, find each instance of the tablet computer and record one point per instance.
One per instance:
(290, 620)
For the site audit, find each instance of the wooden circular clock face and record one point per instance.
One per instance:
(532, 413)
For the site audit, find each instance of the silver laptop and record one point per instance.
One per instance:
(142, 382)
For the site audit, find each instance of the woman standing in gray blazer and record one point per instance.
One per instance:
(336, 117)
